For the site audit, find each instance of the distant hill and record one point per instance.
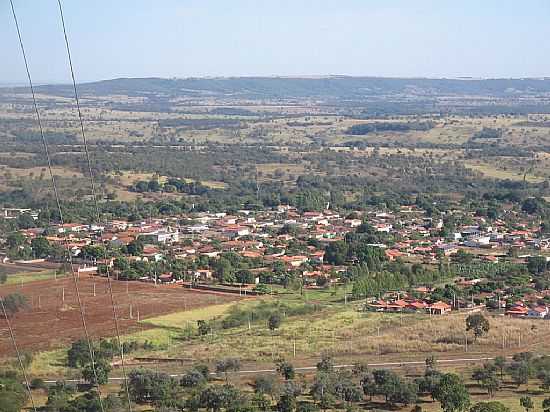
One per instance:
(336, 87)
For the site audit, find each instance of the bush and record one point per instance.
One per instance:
(38, 383)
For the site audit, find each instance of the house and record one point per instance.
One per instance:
(383, 227)
(236, 231)
(447, 249)
(393, 254)
(166, 278)
(538, 312)
(202, 274)
(294, 261)
(517, 311)
(416, 305)
(439, 308)
(13, 213)
(160, 235)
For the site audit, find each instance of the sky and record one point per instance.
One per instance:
(202, 38)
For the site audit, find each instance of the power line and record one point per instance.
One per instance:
(58, 202)
(21, 365)
(96, 204)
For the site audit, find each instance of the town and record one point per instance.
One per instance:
(444, 264)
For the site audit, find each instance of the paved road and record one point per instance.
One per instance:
(388, 365)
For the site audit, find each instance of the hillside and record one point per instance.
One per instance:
(340, 87)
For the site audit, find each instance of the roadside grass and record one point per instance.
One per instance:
(345, 331)
(51, 363)
(328, 325)
(181, 319)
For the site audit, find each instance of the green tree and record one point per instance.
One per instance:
(526, 403)
(266, 385)
(285, 369)
(14, 302)
(477, 323)
(500, 363)
(150, 386)
(274, 321)
(14, 240)
(192, 379)
(203, 327)
(228, 365)
(489, 407)
(336, 253)
(102, 370)
(78, 355)
(13, 395)
(41, 247)
(536, 264)
(452, 394)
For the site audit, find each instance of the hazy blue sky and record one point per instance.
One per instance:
(180, 38)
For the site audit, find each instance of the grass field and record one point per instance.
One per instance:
(24, 277)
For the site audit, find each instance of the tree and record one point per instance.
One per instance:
(336, 253)
(500, 363)
(520, 372)
(13, 303)
(489, 407)
(490, 383)
(93, 252)
(326, 364)
(135, 248)
(217, 397)
(287, 403)
(266, 385)
(323, 389)
(101, 374)
(347, 390)
(285, 369)
(451, 393)
(478, 324)
(14, 240)
(88, 402)
(13, 395)
(431, 362)
(228, 365)
(25, 221)
(150, 386)
(274, 321)
(78, 355)
(41, 247)
(526, 403)
(546, 405)
(203, 327)
(192, 378)
(224, 271)
(59, 396)
(536, 264)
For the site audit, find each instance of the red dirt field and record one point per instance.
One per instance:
(50, 322)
